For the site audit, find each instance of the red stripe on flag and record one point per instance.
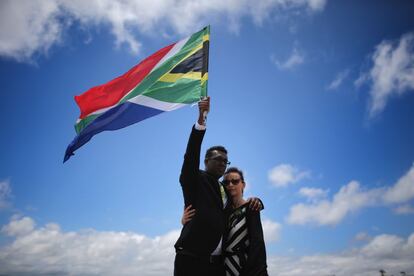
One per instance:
(110, 93)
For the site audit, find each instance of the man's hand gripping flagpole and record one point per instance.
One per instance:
(204, 108)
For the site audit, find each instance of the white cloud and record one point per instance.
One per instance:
(19, 227)
(50, 250)
(27, 27)
(39, 24)
(388, 252)
(317, 5)
(313, 194)
(363, 78)
(403, 190)
(271, 230)
(340, 77)
(295, 59)
(392, 72)
(5, 194)
(285, 174)
(389, 246)
(351, 198)
(362, 236)
(404, 209)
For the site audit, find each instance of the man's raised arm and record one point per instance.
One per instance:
(189, 170)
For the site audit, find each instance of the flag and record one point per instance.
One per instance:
(173, 77)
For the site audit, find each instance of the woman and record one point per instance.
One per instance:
(243, 245)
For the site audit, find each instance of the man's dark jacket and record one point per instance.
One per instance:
(201, 235)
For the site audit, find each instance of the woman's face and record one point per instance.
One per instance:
(234, 185)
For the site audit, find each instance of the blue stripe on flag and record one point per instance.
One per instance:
(115, 118)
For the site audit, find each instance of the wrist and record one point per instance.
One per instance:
(199, 126)
(200, 120)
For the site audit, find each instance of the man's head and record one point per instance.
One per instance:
(216, 161)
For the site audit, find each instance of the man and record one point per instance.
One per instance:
(199, 246)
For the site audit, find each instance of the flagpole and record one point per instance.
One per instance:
(204, 69)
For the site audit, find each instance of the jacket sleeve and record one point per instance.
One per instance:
(256, 255)
(190, 169)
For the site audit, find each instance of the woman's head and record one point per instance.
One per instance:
(233, 181)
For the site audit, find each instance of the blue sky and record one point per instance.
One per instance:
(312, 98)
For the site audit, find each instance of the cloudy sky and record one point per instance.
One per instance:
(313, 99)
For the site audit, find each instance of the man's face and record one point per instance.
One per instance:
(216, 163)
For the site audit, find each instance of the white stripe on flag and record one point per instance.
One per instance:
(145, 101)
(174, 50)
(99, 111)
(151, 102)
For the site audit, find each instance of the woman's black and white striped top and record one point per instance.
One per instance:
(237, 242)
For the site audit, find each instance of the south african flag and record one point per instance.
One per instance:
(173, 77)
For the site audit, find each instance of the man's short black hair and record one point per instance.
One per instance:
(209, 152)
(235, 170)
